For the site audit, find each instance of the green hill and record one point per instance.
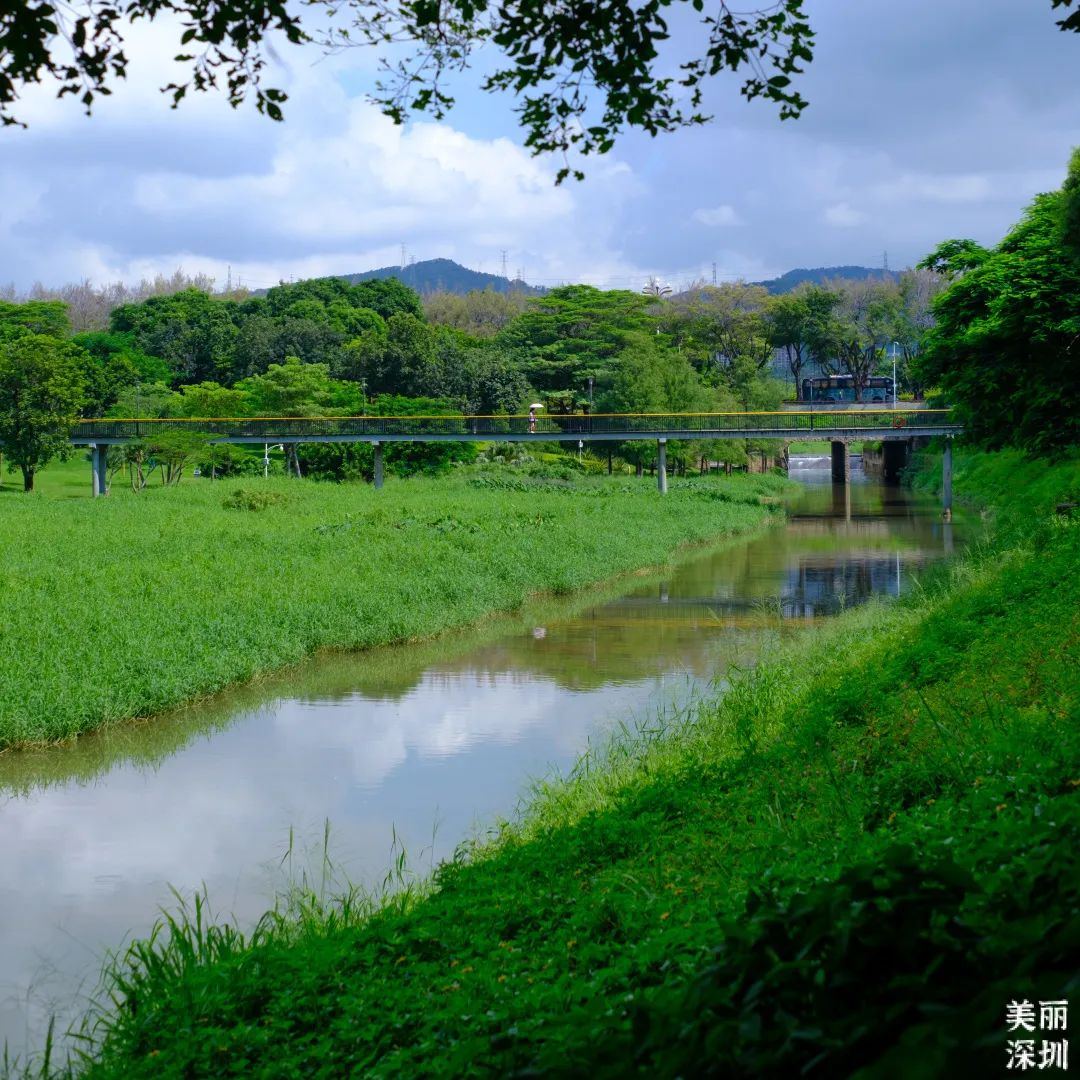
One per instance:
(819, 275)
(445, 275)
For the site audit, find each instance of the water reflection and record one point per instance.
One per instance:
(442, 736)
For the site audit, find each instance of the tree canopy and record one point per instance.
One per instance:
(41, 393)
(1005, 348)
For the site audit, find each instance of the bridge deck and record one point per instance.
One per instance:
(600, 427)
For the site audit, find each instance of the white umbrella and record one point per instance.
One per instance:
(536, 405)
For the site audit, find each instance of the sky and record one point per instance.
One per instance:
(927, 120)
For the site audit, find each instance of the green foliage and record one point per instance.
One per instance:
(481, 313)
(208, 399)
(827, 869)
(243, 499)
(117, 363)
(651, 377)
(574, 332)
(1003, 350)
(1070, 206)
(48, 317)
(42, 390)
(386, 297)
(296, 389)
(148, 400)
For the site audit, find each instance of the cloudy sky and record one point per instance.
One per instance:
(928, 119)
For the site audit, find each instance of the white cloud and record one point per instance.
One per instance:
(140, 189)
(718, 216)
(843, 215)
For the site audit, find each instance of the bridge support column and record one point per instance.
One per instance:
(377, 447)
(99, 468)
(841, 462)
(946, 480)
(895, 454)
(661, 465)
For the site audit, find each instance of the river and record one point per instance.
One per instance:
(427, 744)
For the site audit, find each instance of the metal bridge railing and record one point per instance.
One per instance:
(668, 425)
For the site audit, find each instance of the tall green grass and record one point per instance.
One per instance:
(850, 858)
(129, 605)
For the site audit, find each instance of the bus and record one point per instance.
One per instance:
(878, 389)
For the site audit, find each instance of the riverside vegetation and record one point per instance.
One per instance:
(829, 866)
(124, 607)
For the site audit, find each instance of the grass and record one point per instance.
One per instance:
(126, 606)
(851, 859)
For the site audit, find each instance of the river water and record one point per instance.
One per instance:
(428, 744)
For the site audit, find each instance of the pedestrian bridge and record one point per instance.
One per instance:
(829, 424)
(822, 424)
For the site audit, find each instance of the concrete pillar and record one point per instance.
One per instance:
(99, 468)
(661, 465)
(946, 479)
(377, 447)
(840, 462)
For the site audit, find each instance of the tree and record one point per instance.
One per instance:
(298, 389)
(39, 316)
(866, 318)
(41, 393)
(574, 332)
(1070, 206)
(193, 332)
(1004, 350)
(481, 313)
(209, 399)
(717, 325)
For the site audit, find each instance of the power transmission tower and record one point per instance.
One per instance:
(504, 262)
(714, 273)
(402, 264)
(886, 264)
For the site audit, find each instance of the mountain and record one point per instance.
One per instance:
(787, 282)
(445, 275)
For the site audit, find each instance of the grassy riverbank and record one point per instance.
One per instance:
(123, 607)
(857, 856)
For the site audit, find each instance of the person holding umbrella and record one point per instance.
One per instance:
(532, 416)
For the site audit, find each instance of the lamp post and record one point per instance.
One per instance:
(894, 344)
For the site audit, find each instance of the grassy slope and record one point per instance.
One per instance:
(122, 607)
(846, 865)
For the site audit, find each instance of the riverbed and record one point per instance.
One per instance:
(408, 749)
